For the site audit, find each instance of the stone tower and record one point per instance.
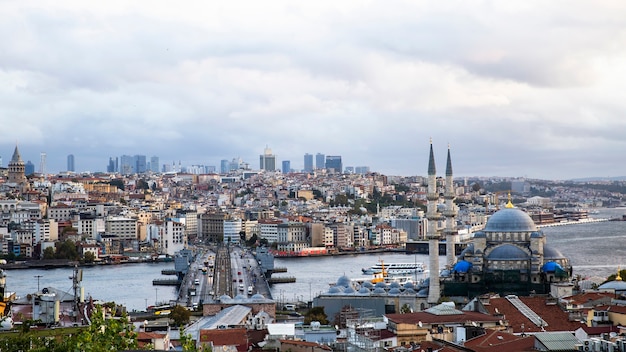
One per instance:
(17, 169)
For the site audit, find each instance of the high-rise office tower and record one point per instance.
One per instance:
(286, 166)
(29, 168)
(224, 166)
(308, 162)
(267, 160)
(140, 164)
(154, 164)
(0, 161)
(320, 161)
(42, 164)
(127, 165)
(333, 163)
(70, 163)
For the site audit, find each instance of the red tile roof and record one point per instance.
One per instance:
(498, 341)
(557, 319)
(226, 337)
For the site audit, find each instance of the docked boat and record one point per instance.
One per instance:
(395, 269)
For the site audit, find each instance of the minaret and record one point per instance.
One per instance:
(434, 291)
(450, 215)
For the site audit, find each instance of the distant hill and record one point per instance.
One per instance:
(594, 179)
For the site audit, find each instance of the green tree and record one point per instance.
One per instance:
(89, 258)
(66, 250)
(48, 253)
(316, 314)
(180, 315)
(118, 182)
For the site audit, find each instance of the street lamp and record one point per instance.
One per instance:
(38, 276)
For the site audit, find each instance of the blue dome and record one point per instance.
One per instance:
(507, 252)
(423, 293)
(364, 291)
(618, 286)
(394, 284)
(462, 267)
(348, 290)
(550, 267)
(258, 296)
(408, 285)
(368, 284)
(381, 285)
(510, 220)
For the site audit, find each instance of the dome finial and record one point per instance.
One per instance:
(509, 204)
(618, 277)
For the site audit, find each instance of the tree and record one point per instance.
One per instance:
(89, 257)
(316, 314)
(48, 253)
(180, 315)
(67, 250)
(119, 183)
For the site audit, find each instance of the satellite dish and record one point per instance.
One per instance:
(501, 322)
(474, 323)
(420, 324)
(497, 311)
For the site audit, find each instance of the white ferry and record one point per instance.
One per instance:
(394, 269)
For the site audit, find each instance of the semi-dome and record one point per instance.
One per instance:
(507, 252)
(552, 253)
(510, 220)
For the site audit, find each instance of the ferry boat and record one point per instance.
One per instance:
(394, 269)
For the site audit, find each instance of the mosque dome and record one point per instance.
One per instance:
(394, 284)
(224, 298)
(395, 291)
(379, 291)
(409, 291)
(510, 219)
(408, 285)
(343, 281)
(423, 293)
(507, 252)
(364, 291)
(240, 297)
(348, 290)
(550, 253)
(462, 266)
(334, 290)
(381, 285)
(552, 267)
(368, 284)
(258, 296)
(618, 285)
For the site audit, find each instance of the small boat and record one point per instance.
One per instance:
(394, 269)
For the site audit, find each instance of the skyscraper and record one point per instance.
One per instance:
(267, 160)
(140, 164)
(308, 162)
(320, 161)
(42, 164)
(127, 165)
(333, 163)
(154, 164)
(70, 163)
(286, 166)
(29, 168)
(224, 166)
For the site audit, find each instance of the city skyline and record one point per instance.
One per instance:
(516, 88)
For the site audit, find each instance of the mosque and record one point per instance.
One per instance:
(508, 257)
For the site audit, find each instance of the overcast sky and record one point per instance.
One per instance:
(516, 88)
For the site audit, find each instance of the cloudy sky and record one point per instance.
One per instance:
(516, 88)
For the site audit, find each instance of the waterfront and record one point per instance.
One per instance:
(595, 249)
(126, 284)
